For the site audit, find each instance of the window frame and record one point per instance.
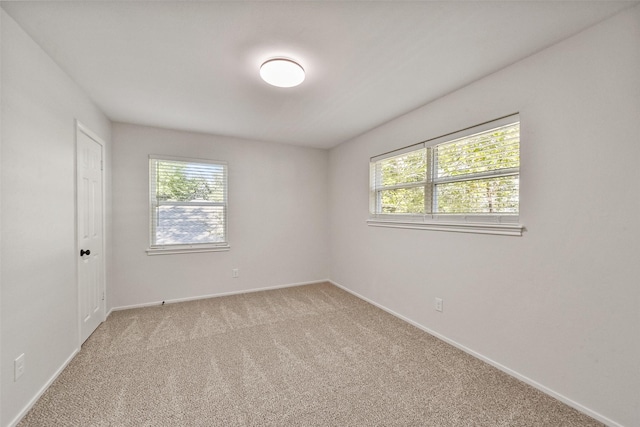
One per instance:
(502, 224)
(181, 248)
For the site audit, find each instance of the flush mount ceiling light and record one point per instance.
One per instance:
(282, 72)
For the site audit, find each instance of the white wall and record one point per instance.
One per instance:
(561, 304)
(277, 217)
(39, 291)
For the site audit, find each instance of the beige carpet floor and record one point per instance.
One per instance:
(305, 356)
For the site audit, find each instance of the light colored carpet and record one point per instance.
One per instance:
(306, 356)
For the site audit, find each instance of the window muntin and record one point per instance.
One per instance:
(471, 175)
(188, 203)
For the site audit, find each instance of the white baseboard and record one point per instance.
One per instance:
(222, 294)
(491, 362)
(44, 388)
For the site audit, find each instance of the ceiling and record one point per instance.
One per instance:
(195, 65)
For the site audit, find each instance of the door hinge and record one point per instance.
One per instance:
(101, 165)
(103, 296)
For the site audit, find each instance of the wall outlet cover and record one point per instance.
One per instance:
(18, 367)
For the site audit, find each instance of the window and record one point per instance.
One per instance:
(464, 181)
(188, 205)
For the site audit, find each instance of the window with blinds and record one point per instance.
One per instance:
(188, 204)
(467, 176)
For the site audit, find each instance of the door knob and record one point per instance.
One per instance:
(83, 252)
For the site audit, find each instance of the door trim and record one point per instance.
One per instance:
(80, 127)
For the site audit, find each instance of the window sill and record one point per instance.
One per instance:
(186, 250)
(456, 227)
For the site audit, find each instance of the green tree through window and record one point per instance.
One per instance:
(474, 174)
(179, 182)
(463, 165)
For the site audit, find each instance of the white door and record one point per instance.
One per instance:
(90, 230)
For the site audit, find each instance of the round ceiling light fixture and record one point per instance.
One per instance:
(282, 72)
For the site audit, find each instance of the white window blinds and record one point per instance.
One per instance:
(471, 175)
(478, 174)
(188, 203)
(400, 182)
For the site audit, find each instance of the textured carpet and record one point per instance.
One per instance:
(306, 356)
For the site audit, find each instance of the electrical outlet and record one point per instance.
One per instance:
(18, 367)
(438, 304)
(235, 273)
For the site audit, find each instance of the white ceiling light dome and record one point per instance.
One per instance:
(282, 72)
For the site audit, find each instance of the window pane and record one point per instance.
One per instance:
(402, 200)
(487, 151)
(183, 182)
(403, 169)
(189, 224)
(491, 195)
(472, 171)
